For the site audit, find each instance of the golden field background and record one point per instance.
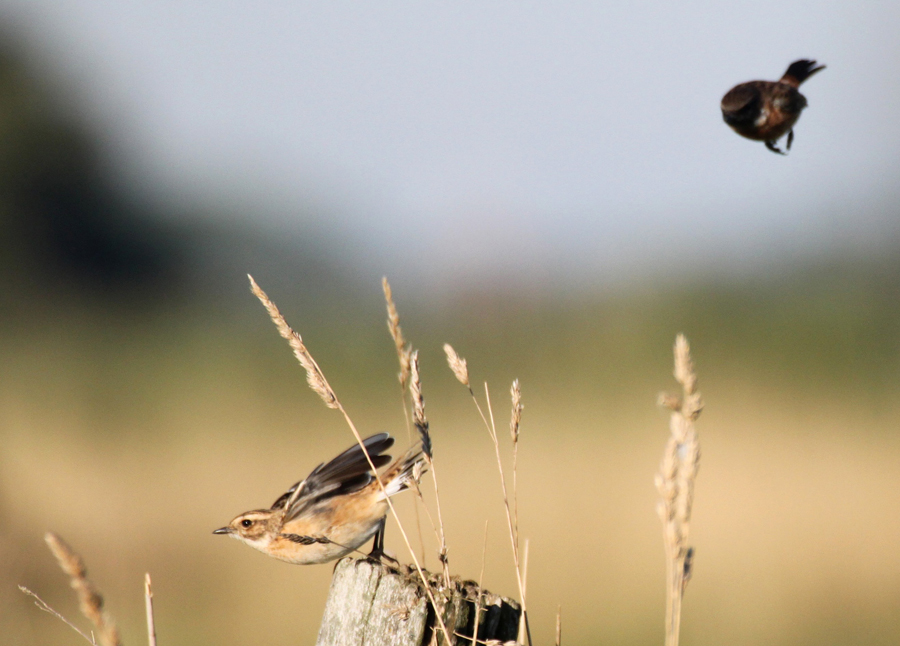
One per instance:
(134, 432)
(146, 399)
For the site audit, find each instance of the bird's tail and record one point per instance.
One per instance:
(408, 468)
(799, 71)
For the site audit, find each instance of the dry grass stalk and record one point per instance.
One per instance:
(148, 602)
(480, 589)
(418, 403)
(517, 407)
(89, 598)
(314, 376)
(675, 483)
(403, 349)
(460, 369)
(318, 383)
(511, 523)
(40, 603)
(417, 475)
(458, 366)
(558, 625)
(515, 419)
(421, 423)
(523, 619)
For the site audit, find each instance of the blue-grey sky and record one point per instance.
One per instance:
(578, 139)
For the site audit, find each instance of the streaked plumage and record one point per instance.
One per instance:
(334, 510)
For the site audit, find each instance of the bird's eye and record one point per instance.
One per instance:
(246, 523)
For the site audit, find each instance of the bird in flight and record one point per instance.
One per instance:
(767, 110)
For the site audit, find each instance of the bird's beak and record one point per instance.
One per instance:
(222, 530)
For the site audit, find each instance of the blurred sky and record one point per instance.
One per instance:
(580, 140)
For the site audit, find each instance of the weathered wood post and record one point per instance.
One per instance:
(371, 604)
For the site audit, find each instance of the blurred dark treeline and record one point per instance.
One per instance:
(62, 225)
(72, 234)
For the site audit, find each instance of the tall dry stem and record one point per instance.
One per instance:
(393, 322)
(314, 376)
(524, 630)
(558, 641)
(460, 369)
(421, 424)
(675, 483)
(480, 582)
(404, 353)
(515, 419)
(148, 606)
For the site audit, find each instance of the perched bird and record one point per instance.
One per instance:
(767, 110)
(337, 508)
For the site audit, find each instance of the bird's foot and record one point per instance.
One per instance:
(383, 558)
(775, 149)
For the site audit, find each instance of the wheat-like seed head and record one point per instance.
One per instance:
(417, 473)
(314, 376)
(416, 388)
(671, 402)
(457, 365)
(393, 322)
(684, 366)
(70, 562)
(692, 403)
(517, 407)
(675, 483)
(418, 399)
(90, 600)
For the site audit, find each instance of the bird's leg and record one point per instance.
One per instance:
(790, 139)
(775, 149)
(377, 553)
(378, 543)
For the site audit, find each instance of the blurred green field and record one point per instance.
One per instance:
(135, 433)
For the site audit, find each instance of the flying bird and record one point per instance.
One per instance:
(767, 110)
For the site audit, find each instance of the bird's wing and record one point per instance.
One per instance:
(348, 472)
(740, 96)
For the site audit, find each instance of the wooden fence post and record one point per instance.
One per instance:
(370, 604)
